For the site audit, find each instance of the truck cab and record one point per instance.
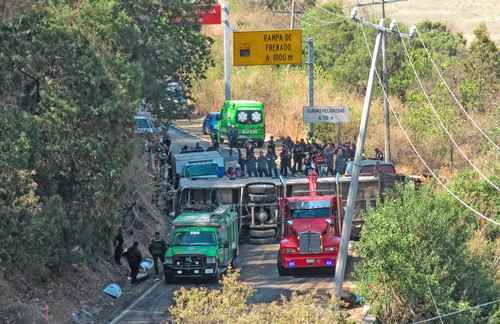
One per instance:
(247, 117)
(202, 244)
(310, 232)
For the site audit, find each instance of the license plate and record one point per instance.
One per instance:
(209, 271)
(309, 261)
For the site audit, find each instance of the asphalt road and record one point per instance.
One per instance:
(256, 262)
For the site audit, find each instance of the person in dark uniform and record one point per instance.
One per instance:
(271, 146)
(271, 164)
(134, 258)
(262, 165)
(284, 161)
(157, 248)
(118, 244)
(232, 136)
(243, 163)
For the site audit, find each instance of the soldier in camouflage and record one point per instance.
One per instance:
(157, 248)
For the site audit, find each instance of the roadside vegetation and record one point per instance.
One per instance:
(73, 73)
(229, 304)
(421, 245)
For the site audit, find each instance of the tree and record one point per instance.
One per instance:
(482, 72)
(72, 74)
(413, 248)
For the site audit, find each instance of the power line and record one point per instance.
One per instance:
(435, 305)
(453, 94)
(457, 312)
(412, 145)
(438, 118)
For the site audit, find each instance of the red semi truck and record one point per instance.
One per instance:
(310, 231)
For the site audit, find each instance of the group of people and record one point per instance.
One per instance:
(295, 158)
(157, 248)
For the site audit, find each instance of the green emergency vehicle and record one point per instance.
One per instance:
(248, 118)
(202, 244)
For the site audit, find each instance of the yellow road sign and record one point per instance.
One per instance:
(267, 47)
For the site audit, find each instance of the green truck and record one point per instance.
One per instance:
(202, 244)
(247, 117)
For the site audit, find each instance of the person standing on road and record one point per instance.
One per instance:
(378, 154)
(298, 156)
(329, 153)
(340, 162)
(134, 258)
(251, 165)
(271, 145)
(214, 135)
(118, 244)
(285, 161)
(232, 136)
(262, 165)
(242, 162)
(271, 163)
(157, 248)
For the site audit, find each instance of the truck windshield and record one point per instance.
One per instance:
(200, 170)
(248, 116)
(311, 213)
(141, 123)
(195, 238)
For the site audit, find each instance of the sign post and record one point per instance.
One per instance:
(326, 114)
(267, 47)
(227, 52)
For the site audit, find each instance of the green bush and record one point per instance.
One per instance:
(229, 305)
(414, 245)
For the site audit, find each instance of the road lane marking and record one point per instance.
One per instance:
(138, 300)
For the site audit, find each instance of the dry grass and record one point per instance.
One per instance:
(460, 15)
(283, 90)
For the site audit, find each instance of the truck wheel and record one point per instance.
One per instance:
(261, 189)
(265, 198)
(264, 233)
(258, 241)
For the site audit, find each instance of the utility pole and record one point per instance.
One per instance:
(385, 79)
(227, 50)
(292, 18)
(310, 78)
(353, 188)
(387, 126)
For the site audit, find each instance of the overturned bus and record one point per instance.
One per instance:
(260, 215)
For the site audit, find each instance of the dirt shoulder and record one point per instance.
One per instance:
(80, 287)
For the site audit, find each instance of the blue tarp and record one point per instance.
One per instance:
(113, 290)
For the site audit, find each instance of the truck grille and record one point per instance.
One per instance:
(189, 261)
(310, 242)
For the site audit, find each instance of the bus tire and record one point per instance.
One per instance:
(262, 233)
(261, 189)
(260, 241)
(266, 198)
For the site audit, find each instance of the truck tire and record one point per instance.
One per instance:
(261, 189)
(265, 198)
(259, 241)
(262, 233)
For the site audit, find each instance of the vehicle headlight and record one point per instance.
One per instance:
(168, 261)
(211, 260)
(291, 250)
(330, 248)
